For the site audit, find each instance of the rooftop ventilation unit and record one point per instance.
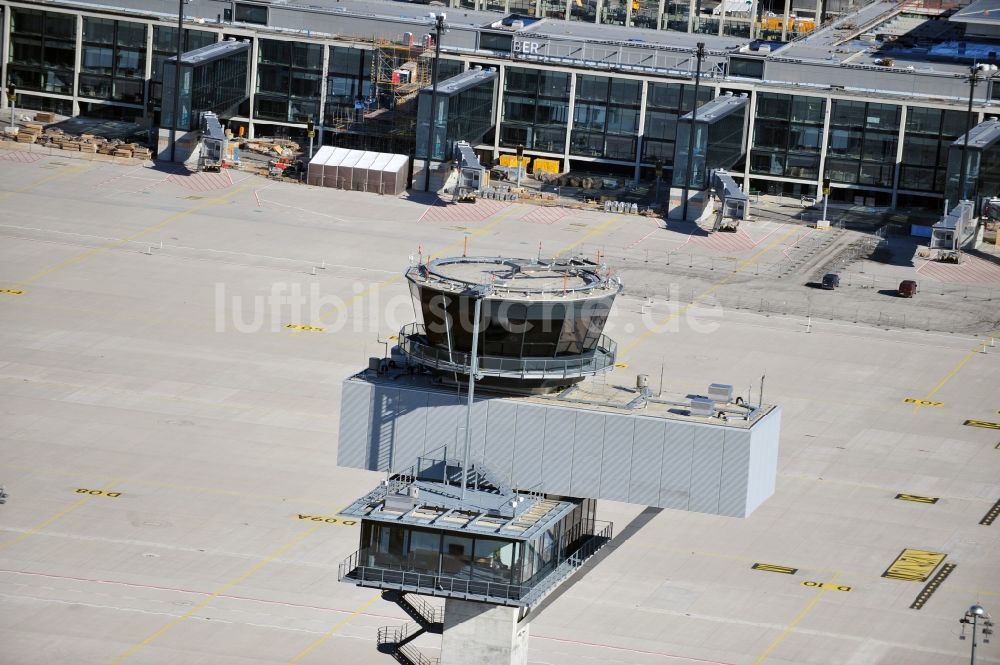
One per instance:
(702, 406)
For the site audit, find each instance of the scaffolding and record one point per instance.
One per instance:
(386, 121)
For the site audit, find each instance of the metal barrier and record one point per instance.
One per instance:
(518, 595)
(413, 342)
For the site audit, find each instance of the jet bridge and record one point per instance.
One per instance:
(733, 203)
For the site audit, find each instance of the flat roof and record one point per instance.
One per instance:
(510, 278)
(463, 81)
(440, 506)
(212, 52)
(982, 11)
(594, 395)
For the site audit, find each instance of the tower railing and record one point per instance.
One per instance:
(501, 593)
(413, 342)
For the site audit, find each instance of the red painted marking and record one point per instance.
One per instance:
(972, 270)
(545, 215)
(463, 212)
(630, 650)
(199, 593)
(202, 182)
(21, 157)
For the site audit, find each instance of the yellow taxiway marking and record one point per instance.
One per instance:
(295, 326)
(979, 348)
(41, 181)
(796, 621)
(596, 230)
(917, 499)
(923, 402)
(83, 256)
(913, 565)
(12, 292)
(330, 633)
(985, 424)
(662, 325)
(826, 585)
(218, 592)
(49, 520)
(773, 568)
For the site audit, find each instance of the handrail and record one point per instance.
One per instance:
(415, 656)
(502, 592)
(413, 343)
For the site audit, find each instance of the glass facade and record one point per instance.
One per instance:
(289, 79)
(614, 12)
(606, 117)
(165, 46)
(929, 132)
(665, 103)
(862, 143)
(465, 115)
(113, 62)
(514, 329)
(982, 173)
(719, 141)
(535, 109)
(42, 49)
(348, 80)
(583, 10)
(788, 136)
(644, 13)
(218, 85)
(475, 557)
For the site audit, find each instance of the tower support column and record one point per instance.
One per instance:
(483, 634)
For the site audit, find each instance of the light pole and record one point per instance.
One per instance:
(974, 78)
(980, 620)
(177, 80)
(438, 29)
(480, 293)
(699, 55)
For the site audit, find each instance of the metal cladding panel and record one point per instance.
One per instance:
(411, 424)
(383, 428)
(557, 455)
(446, 414)
(500, 423)
(616, 457)
(355, 409)
(647, 456)
(735, 467)
(477, 445)
(529, 436)
(706, 468)
(675, 476)
(588, 445)
(763, 466)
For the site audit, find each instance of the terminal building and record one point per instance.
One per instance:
(871, 98)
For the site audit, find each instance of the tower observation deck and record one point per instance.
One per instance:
(540, 323)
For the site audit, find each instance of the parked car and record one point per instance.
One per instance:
(907, 288)
(830, 281)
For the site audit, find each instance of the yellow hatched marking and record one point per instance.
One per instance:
(917, 499)
(772, 568)
(913, 565)
(982, 423)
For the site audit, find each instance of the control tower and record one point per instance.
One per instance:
(539, 325)
(489, 497)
